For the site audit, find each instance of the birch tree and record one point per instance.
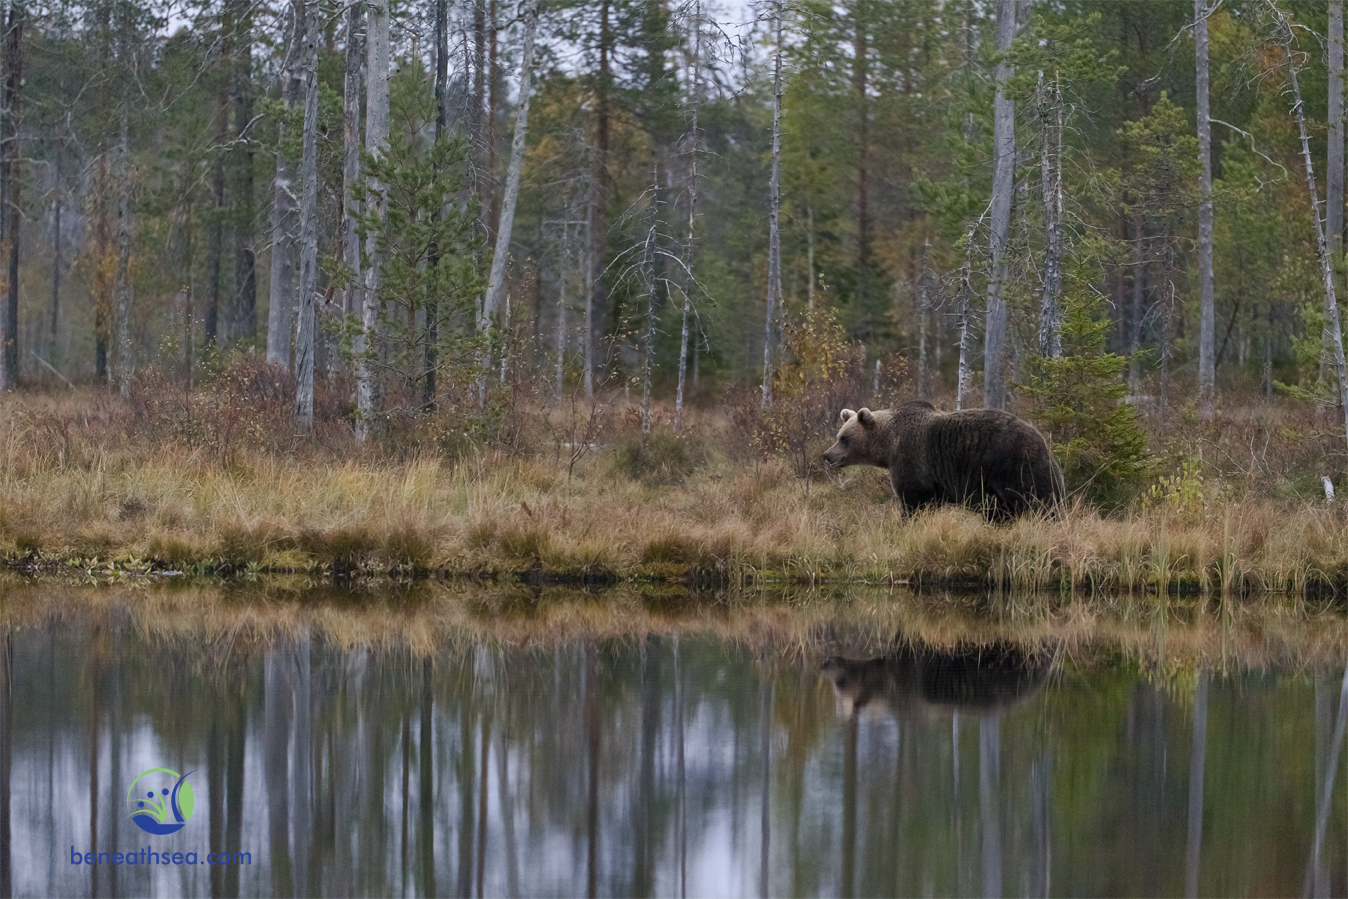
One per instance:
(376, 142)
(774, 209)
(285, 202)
(1206, 358)
(1333, 329)
(1003, 183)
(355, 18)
(308, 213)
(496, 280)
(9, 135)
(694, 104)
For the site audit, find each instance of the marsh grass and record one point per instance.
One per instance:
(87, 492)
(798, 626)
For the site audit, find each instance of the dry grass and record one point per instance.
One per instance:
(801, 626)
(84, 479)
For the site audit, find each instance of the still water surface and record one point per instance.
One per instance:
(667, 764)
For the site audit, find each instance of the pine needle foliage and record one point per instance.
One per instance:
(1079, 400)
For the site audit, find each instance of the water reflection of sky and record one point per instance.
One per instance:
(644, 766)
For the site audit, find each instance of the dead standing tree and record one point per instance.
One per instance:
(1285, 35)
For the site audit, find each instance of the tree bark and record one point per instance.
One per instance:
(121, 292)
(598, 229)
(285, 220)
(376, 142)
(241, 313)
(1332, 325)
(215, 234)
(1050, 164)
(496, 281)
(690, 283)
(355, 16)
(304, 339)
(432, 361)
(9, 378)
(1207, 367)
(1334, 163)
(1003, 183)
(774, 209)
(860, 79)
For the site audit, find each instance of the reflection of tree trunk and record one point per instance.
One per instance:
(234, 751)
(849, 822)
(507, 816)
(406, 795)
(592, 753)
(765, 723)
(1327, 790)
(989, 777)
(276, 730)
(302, 813)
(465, 779)
(681, 786)
(6, 759)
(643, 874)
(1197, 758)
(1040, 788)
(215, 788)
(482, 804)
(426, 791)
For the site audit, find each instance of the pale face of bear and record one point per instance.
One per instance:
(854, 438)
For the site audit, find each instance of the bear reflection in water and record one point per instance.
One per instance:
(919, 680)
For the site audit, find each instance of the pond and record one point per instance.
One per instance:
(487, 745)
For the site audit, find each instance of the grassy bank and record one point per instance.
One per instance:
(800, 625)
(91, 488)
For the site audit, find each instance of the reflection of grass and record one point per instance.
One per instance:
(797, 623)
(95, 506)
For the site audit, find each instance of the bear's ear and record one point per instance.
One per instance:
(846, 415)
(866, 418)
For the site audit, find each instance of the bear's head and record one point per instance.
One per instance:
(857, 442)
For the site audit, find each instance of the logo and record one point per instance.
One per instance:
(160, 801)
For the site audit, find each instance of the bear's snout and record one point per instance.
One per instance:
(833, 456)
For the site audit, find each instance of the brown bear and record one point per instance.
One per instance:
(917, 680)
(988, 460)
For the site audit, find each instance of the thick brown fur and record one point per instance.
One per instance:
(989, 460)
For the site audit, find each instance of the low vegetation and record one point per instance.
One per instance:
(212, 483)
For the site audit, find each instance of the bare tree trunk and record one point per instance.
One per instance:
(809, 254)
(690, 284)
(432, 361)
(1050, 166)
(215, 236)
(355, 19)
(241, 321)
(121, 291)
(496, 281)
(598, 228)
(561, 303)
(56, 259)
(1207, 366)
(1334, 163)
(9, 378)
(304, 340)
(376, 141)
(1332, 325)
(963, 373)
(587, 332)
(774, 211)
(285, 207)
(923, 314)
(860, 77)
(649, 279)
(1003, 182)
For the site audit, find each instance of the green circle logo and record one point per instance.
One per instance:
(161, 801)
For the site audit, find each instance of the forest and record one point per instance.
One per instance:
(623, 261)
(627, 189)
